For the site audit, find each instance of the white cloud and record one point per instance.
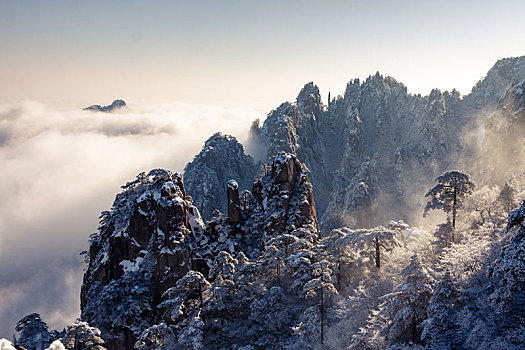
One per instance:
(6, 345)
(60, 169)
(56, 345)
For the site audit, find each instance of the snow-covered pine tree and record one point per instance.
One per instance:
(34, 333)
(183, 305)
(406, 307)
(447, 194)
(370, 242)
(81, 336)
(299, 267)
(338, 248)
(439, 329)
(507, 196)
(277, 251)
(185, 299)
(508, 296)
(321, 286)
(223, 265)
(157, 337)
(271, 316)
(123, 303)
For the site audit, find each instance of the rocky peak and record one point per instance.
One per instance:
(222, 158)
(514, 99)
(488, 91)
(435, 110)
(279, 130)
(117, 104)
(234, 203)
(140, 250)
(286, 196)
(309, 101)
(154, 235)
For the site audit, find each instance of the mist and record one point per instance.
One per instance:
(60, 168)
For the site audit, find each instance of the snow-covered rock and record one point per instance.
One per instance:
(140, 250)
(372, 150)
(117, 104)
(221, 159)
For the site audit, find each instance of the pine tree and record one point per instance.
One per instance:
(447, 194)
(406, 307)
(321, 286)
(81, 336)
(186, 298)
(370, 242)
(507, 196)
(223, 265)
(183, 307)
(508, 296)
(439, 329)
(336, 247)
(156, 337)
(34, 333)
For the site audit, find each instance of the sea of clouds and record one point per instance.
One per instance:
(59, 168)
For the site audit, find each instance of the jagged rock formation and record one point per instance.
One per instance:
(140, 250)
(222, 158)
(286, 196)
(375, 148)
(217, 314)
(117, 104)
(154, 235)
(488, 91)
(234, 203)
(297, 129)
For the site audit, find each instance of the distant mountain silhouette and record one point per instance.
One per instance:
(117, 104)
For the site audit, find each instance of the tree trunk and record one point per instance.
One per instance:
(378, 253)
(322, 312)
(454, 208)
(338, 274)
(200, 292)
(414, 328)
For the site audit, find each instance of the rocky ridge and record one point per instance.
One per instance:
(117, 104)
(375, 148)
(154, 235)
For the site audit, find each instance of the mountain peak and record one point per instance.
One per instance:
(117, 104)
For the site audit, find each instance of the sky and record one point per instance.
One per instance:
(245, 53)
(186, 69)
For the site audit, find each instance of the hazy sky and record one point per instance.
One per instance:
(245, 53)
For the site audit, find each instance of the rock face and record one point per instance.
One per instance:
(288, 201)
(141, 249)
(117, 104)
(234, 203)
(488, 91)
(373, 150)
(154, 235)
(297, 129)
(221, 159)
